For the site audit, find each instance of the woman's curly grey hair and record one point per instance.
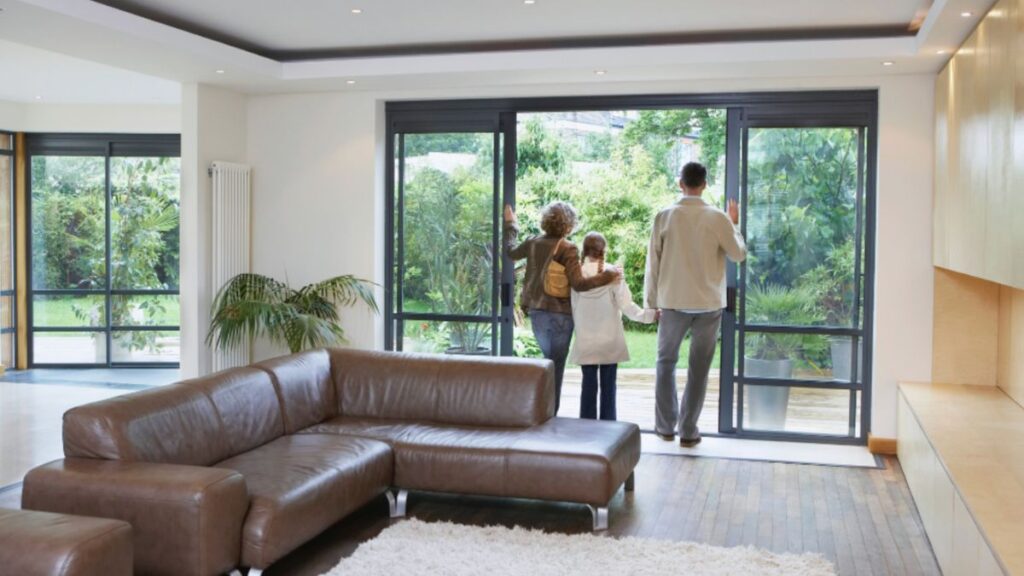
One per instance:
(558, 219)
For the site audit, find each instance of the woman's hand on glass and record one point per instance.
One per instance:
(510, 215)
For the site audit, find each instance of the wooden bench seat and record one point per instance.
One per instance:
(962, 451)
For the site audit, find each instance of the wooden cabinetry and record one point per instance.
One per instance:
(979, 161)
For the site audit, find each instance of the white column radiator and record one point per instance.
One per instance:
(232, 198)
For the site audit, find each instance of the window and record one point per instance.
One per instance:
(104, 246)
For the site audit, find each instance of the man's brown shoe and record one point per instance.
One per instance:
(666, 437)
(689, 443)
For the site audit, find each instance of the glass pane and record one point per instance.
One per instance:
(146, 346)
(68, 222)
(69, 348)
(68, 311)
(6, 141)
(798, 357)
(144, 231)
(7, 315)
(448, 223)
(7, 350)
(146, 310)
(804, 410)
(472, 338)
(801, 225)
(6, 222)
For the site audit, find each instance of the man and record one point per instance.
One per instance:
(686, 281)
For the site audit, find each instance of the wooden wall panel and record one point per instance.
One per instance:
(965, 338)
(980, 152)
(1010, 365)
(940, 248)
(999, 103)
(1017, 191)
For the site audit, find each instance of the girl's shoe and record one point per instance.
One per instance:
(689, 443)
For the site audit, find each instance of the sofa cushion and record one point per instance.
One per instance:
(44, 544)
(196, 422)
(300, 485)
(564, 459)
(304, 387)
(248, 406)
(510, 392)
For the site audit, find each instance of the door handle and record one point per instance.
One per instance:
(730, 299)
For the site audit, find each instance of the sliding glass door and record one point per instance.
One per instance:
(795, 354)
(800, 327)
(104, 250)
(447, 292)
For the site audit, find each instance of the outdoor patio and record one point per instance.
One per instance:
(810, 411)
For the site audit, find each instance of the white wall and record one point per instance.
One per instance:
(319, 196)
(90, 118)
(213, 128)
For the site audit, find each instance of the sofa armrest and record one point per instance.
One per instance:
(186, 519)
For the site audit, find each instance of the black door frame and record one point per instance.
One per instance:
(502, 126)
(735, 328)
(794, 109)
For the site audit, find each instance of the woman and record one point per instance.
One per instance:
(551, 259)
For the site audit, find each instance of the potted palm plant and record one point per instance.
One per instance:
(833, 285)
(771, 355)
(253, 305)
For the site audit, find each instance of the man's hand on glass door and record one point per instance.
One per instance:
(734, 212)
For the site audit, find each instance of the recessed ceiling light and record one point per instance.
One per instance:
(350, 82)
(39, 97)
(529, 2)
(941, 52)
(967, 14)
(357, 10)
(220, 71)
(888, 63)
(600, 72)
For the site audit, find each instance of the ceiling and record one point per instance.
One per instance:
(141, 50)
(294, 30)
(50, 77)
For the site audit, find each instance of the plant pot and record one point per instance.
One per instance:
(458, 350)
(841, 349)
(767, 405)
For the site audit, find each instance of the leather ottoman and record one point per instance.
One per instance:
(45, 544)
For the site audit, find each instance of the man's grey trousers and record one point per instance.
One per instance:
(672, 330)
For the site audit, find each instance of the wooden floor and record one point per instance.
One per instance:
(861, 519)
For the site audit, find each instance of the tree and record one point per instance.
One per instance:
(659, 131)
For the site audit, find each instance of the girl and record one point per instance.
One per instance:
(600, 339)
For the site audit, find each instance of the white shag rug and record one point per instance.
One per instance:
(415, 548)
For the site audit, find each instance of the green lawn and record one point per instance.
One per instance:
(73, 311)
(643, 350)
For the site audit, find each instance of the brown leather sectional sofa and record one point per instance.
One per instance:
(244, 466)
(44, 544)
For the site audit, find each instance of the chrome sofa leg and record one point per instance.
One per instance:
(254, 572)
(396, 503)
(600, 515)
(235, 572)
(629, 485)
